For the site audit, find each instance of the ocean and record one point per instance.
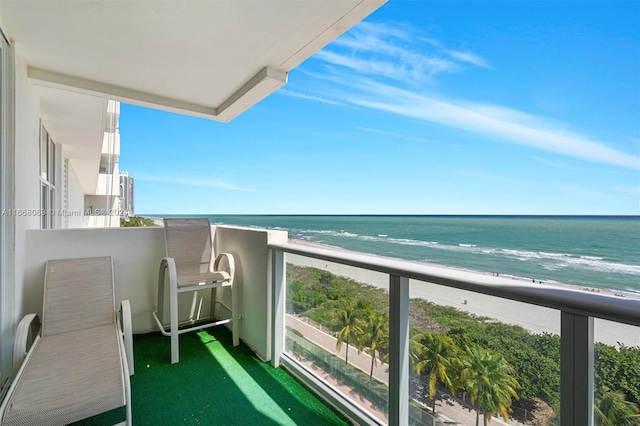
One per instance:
(589, 251)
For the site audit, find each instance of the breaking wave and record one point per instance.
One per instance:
(546, 260)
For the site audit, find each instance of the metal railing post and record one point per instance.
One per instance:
(278, 308)
(398, 350)
(576, 370)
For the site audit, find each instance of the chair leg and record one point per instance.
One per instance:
(194, 307)
(175, 337)
(161, 284)
(128, 420)
(212, 308)
(235, 317)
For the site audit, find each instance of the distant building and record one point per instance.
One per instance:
(126, 194)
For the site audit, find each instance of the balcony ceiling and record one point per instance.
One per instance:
(205, 58)
(212, 59)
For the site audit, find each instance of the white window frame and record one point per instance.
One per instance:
(48, 175)
(7, 204)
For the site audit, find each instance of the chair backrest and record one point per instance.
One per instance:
(78, 294)
(189, 243)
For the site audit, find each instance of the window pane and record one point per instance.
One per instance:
(458, 336)
(51, 208)
(337, 325)
(43, 205)
(617, 372)
(52, 163)
(43, 153)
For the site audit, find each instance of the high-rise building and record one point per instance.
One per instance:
(126, 194)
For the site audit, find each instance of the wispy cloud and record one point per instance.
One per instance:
(380, 66)
(394, 52)
(506, 124)
(392, 134)
(468, 57)
(634, 191)
(460, 55)
(557, 164)
(309, 97)
(189, 181)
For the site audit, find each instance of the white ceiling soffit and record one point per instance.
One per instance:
(208, 58)
(76, 123)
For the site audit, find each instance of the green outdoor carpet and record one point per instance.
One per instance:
(214, 384)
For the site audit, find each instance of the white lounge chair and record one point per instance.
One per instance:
(80, 364)
(192, 266)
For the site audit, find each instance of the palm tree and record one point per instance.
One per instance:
(488, 379)
(349, 327)
(434, 355)
(612, 409)
(375, 338)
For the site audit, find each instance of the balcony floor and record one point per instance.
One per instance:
(214, 384)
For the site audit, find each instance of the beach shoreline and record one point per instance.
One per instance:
(534, 318)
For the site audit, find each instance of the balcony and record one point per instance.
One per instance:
(271, 330)
(214, 383)
(108, 183)
(111, 143)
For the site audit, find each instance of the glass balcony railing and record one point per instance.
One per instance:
(560, 346)
(450, 347)
(338, 329)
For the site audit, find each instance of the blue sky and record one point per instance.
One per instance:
(423, 108)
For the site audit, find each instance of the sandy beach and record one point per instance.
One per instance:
(534, 318)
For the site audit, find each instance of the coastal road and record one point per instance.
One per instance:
(449, 410)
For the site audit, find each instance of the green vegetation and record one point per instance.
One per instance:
(137, 221)
(619, 369)
(488, 379)
(350, 328)
(375, 340)
(436, 356)
(445, 338)
(612, 409)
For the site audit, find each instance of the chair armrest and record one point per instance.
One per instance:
(170, 264)
(230, 261)
(20, 357)
(22, 334)
(127, 333)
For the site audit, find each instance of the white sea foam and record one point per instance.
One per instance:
(408, 242)
(556, 261)
(547, 260)
(329, 232)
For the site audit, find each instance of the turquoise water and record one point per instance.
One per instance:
(600, 252)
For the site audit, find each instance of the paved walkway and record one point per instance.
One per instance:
(328, 342)
(449, 410)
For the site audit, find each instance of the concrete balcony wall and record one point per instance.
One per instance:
(101, 211)
(109, 184)
(136, 254)
(112, 116)
(75, 200)
(253, 271)
(111, 144)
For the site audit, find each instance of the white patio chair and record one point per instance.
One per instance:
(80, 364)
(191, 266)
